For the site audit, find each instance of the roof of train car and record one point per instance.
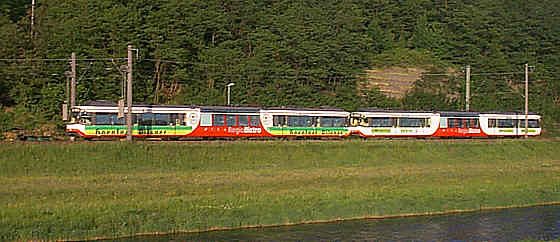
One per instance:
(376, 110)
(229, 109)
(510, 113)
(249, 109)
(441, 113)
(458, 114)
(105, 103)
(225, 109)
(322, 108)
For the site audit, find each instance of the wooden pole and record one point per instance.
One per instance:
(468, 91)
(129, 96)
(73, 85)
(526, 100)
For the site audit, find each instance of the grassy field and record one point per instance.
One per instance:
(88, 190)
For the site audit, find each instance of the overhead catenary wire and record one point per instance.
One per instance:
(338, 77)
(60, 59)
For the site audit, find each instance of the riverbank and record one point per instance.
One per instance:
(89, 190)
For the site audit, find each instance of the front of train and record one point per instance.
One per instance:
(79, 120)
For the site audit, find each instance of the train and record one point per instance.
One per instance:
(102, 119)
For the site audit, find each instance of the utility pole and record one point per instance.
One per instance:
(526, 99)
(468, 87)
(73, 85)
(65, 109)
(129, 96)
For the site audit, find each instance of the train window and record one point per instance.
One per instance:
(231, 120)
(464, 123)
(492, 123)
(173, 120)
(301, 121)
(243, 120)
(339, 122)
(135, 118)
(278, 120)
(506, 123)
(254, 121)
(443, 123)
(119, 121)
(181, 119)
(533, 123)
(412, 122)
(219, 120)
(146, 119)
(293, 121)
(102, 118)
(108, 119)
(326, 122)
(309, 121)
(84, 118)
(382, 122)
(205, 119)
(451, 123)
(161, 119)
(329, 121)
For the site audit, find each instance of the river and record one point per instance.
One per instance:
(533, 223)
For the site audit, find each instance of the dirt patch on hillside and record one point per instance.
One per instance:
(392, 81)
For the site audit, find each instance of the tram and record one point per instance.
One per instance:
(101, 119)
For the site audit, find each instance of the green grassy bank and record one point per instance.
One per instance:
(87, 190)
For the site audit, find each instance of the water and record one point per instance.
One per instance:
(535, 223)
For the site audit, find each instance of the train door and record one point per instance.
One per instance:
(164, 124)
(156, 124)
(177, 123)
(278, 122)
(145, 121)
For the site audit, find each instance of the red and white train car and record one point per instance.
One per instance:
(227, 122)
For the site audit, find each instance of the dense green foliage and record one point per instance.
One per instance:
(305, 53)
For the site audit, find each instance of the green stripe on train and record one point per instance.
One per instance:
(307, 131)
(119, 127)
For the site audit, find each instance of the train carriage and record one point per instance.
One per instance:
(229, 122)
(394, 123)
(98, 119)
(459, 124)
(510, 124)
(306, 122)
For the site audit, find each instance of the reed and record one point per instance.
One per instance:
(89, 190)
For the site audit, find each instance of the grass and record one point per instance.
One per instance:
(88, 190)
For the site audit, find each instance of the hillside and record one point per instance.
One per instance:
(305, 53)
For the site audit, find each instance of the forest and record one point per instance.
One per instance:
(305, 53)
